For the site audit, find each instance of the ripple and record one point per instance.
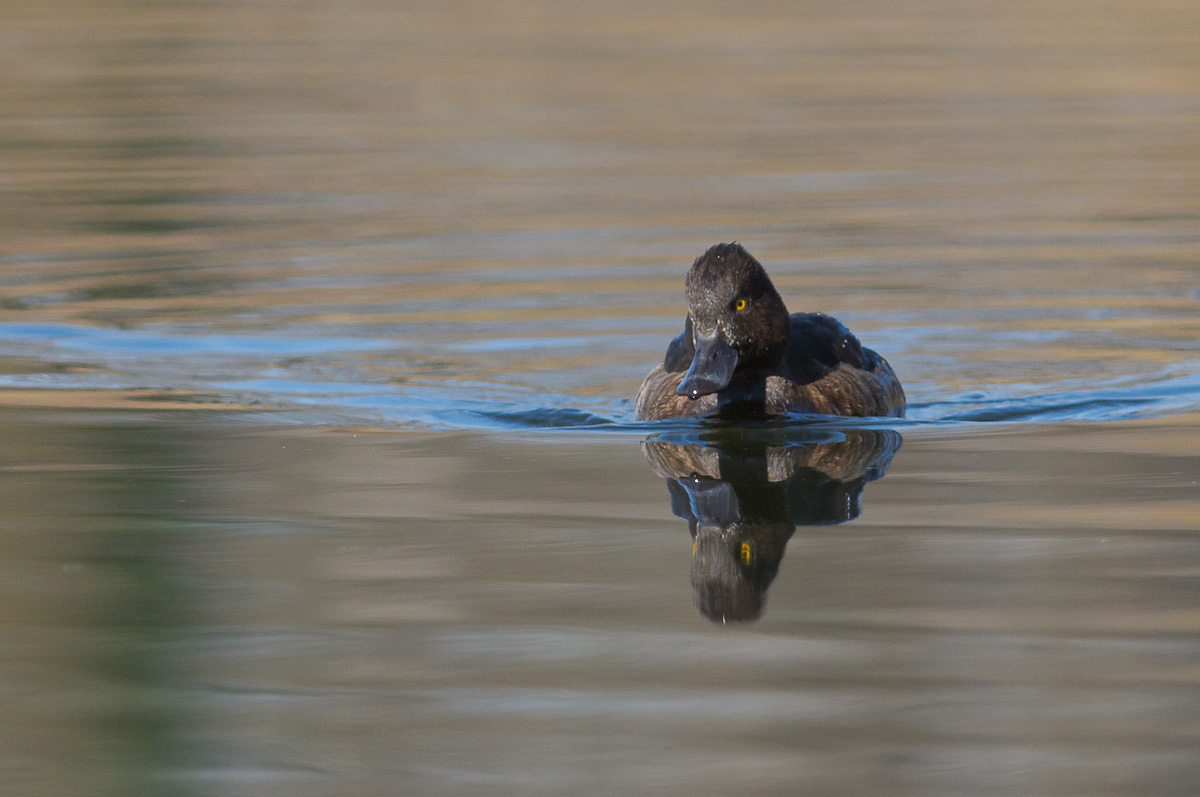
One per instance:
(371, 380)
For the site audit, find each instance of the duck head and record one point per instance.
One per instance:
(739, 323)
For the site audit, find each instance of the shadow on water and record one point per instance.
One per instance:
(744, 495)
(95, 601)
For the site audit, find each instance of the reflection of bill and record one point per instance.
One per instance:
(743, 500)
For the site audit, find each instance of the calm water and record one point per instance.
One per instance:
(319, 331)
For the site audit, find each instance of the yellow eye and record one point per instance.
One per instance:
(739, 305)
(745, 553)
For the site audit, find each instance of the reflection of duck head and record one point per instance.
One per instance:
(744, 497)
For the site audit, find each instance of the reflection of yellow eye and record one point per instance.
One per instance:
(739, 305)
(745, 552)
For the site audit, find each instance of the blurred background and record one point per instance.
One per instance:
(319, 329)
(283, 197)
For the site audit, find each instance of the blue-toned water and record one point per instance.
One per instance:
(384, 381)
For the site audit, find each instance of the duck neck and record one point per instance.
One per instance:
(744, 397)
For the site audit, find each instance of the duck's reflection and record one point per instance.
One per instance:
(743, 498)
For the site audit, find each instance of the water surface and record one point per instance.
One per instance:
(319, 332)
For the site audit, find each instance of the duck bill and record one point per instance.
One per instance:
(712, 367)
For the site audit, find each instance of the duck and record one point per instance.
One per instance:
(741, 355)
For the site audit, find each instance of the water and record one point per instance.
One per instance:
(319, 331)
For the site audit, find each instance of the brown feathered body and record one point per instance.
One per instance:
(802, 363)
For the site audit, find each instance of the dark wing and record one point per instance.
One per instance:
(657, 398)
(819, 344)
(681, 350)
